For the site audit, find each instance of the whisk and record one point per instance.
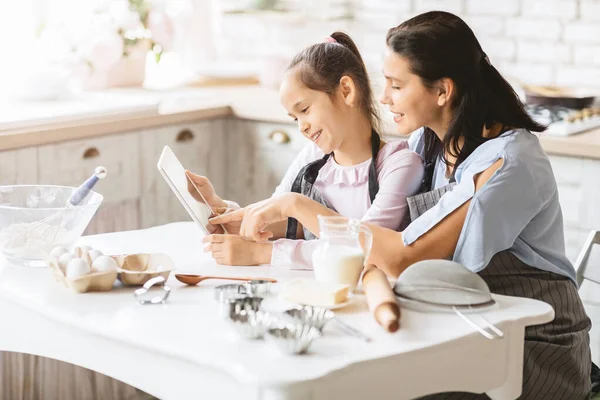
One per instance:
(76, 198)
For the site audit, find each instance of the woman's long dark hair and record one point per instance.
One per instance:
(440, 45)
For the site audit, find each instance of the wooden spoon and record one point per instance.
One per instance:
(195, 279)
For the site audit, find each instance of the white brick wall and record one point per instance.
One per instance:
(531, 41)
(590, 10)
(563, 9)
(534, 28)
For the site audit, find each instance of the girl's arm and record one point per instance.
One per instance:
(400, 176)
(389, 252)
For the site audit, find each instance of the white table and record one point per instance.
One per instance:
(182, 350)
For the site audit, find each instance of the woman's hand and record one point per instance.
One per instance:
(235, 250)
(256, 217)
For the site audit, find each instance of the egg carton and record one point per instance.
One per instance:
(131, 270)
(137, 269)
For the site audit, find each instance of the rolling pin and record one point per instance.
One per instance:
(380, 298)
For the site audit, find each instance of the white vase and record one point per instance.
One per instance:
(130, 70)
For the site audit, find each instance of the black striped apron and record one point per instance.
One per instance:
(306, 178)
(557, 362)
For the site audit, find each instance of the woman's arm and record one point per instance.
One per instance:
(391, 255)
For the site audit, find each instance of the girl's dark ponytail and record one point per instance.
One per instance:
(324, 64)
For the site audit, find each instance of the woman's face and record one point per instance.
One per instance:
(414, 105)
(320, 117)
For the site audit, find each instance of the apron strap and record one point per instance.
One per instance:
(310, 172)
(373, 182)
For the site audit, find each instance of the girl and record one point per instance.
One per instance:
(491, 201)
(347, 168)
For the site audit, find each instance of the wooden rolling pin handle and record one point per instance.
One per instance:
(381, 299)
(388, 316)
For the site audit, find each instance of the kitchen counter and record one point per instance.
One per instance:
(121, 110)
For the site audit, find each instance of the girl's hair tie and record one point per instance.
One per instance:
(330, 39)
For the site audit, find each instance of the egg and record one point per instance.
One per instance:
(81, 251)
(104, 264)
(63, 260)
(92, 255)
(76, 268)
(58, 251)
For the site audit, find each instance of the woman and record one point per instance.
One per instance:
(491, 201)
(347, 167)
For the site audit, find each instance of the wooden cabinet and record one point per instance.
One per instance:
(258, 155)
(200, 147)
(70, 163)
(18, 166)
(245, 161)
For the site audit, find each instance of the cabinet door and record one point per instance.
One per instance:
(70, 163)
(259, 154)
(200, 147)
(18, 167)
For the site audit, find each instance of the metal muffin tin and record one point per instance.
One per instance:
(291, 331)
(314, 316)
(224, 292)
(258, 287)
(244, 316)
(292, 338)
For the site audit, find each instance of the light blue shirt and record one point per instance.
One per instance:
(516, 209)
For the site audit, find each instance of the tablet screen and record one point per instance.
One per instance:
(174, 174)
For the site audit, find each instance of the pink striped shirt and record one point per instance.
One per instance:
(399, 172)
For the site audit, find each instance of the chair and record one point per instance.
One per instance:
(585, 273)
(581, 264)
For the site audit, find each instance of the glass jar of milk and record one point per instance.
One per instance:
(344, 245)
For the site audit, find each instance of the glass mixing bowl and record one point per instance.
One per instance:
(35, 218)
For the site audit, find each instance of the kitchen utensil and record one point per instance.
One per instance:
(76, 198)
(259, 286)
(145, 297)
(192, 279)
(380, 298)
(291, 338)
(244, 316)
(223, 292)
(351, 330)
(446, 286)
(313, 316)
(31, 224)
(557, 96)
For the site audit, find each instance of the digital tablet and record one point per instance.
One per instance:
(174, 173)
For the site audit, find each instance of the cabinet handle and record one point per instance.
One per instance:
(279, 137)
(90, 153)
(185, 135)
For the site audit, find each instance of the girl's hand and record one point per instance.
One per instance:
(207, 190)
(235, 250)
(214, 202)
(256, 217)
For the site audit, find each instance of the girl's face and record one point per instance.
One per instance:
(414, 105)
(320, 117)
